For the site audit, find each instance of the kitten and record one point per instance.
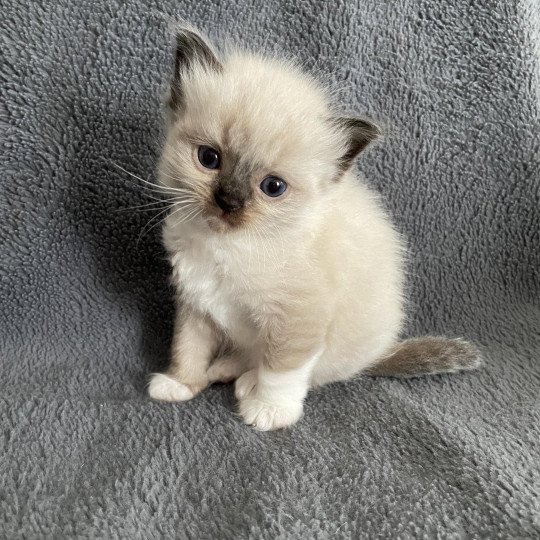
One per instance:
(289, 273)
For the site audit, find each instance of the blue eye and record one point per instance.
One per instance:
(273, 186)
(208, 157)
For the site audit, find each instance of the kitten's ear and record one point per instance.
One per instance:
(359, 133)
(191, 51)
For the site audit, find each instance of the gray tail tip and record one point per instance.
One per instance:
(428, 355)
(468, 356)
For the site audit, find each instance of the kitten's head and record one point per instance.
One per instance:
(252, 141)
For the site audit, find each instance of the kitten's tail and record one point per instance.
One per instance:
(427, 356)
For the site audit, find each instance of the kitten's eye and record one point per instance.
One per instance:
(273, 186)
(208, 157)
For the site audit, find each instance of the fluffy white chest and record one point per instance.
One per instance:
(207, 283)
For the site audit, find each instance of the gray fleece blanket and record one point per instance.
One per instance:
(85, 311)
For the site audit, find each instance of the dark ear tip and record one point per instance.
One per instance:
(185, 33)
(372, 131)
(360, 134)
(192, 47)
(185, 38)
(378, 131)
(369, 128)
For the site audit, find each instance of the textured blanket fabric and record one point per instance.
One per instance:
(85, 311)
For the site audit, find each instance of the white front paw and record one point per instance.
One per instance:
(266, 416)
(165, 388)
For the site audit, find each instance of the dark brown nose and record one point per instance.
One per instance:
(228, 201)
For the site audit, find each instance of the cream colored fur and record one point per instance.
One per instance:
(308, 289)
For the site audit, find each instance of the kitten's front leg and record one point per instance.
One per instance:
(271, 398)
(194, 343)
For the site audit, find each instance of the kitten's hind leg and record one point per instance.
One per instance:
(227, 368)
(194, 344)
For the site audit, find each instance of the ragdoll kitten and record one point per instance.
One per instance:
(288, 271)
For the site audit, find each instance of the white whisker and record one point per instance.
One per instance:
(157, 203)
(145, 229)
(154, 187)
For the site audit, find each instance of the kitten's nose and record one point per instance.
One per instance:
(228, 202)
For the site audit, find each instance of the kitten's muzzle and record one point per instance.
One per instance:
(229, 201)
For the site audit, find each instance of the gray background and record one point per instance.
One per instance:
(85, 309)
